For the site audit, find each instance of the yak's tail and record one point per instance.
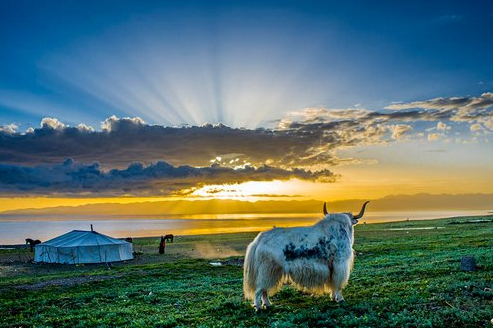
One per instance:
(249, 271)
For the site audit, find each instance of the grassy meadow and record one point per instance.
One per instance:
(406, 274)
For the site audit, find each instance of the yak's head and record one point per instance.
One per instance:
(354, 218)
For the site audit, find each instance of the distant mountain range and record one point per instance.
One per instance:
(417, 202)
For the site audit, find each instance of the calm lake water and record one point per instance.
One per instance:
(14, 229)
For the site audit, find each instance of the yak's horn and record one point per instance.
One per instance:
(325, 209)
(360, 215)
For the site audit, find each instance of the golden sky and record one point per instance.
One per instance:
(356, 182)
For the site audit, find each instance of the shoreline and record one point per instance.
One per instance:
(487, 218)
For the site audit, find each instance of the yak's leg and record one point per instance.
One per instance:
(258, 297)
(265, 299)
(268, 278)
(340, 277)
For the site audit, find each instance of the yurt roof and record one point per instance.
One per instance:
(77, 238)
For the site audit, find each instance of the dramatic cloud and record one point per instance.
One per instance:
(304, 138)
(8, 129)
(352, 127)
(49, 123)
(137, 179)
(122, 141)
(459, 109)
(296, 144)
(473, 103)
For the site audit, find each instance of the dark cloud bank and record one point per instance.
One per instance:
(137, 179)
(210, 153)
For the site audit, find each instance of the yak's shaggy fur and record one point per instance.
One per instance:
(316, 259)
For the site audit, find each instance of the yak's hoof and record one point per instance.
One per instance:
(264, 307)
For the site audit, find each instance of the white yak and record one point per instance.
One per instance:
(315, 259)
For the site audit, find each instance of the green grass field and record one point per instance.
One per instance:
(406, 277)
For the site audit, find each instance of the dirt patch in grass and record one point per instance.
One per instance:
(64, 282)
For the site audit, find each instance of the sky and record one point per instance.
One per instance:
(131, 100)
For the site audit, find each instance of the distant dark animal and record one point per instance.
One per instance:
(129, 239)
(169, 238)
(32, 242)
(162, 245)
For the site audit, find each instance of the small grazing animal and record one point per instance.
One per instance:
(169, 238)
(32, 242)
(315, 259)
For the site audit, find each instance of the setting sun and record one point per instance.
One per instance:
(250, 191)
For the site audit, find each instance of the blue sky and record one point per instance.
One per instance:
(239, 63)
(118, 94)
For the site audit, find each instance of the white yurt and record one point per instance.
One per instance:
(79, 246)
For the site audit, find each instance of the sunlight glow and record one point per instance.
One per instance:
(250, 191)
(161, 85)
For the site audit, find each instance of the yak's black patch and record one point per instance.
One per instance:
(343, 233)
(320, 250)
